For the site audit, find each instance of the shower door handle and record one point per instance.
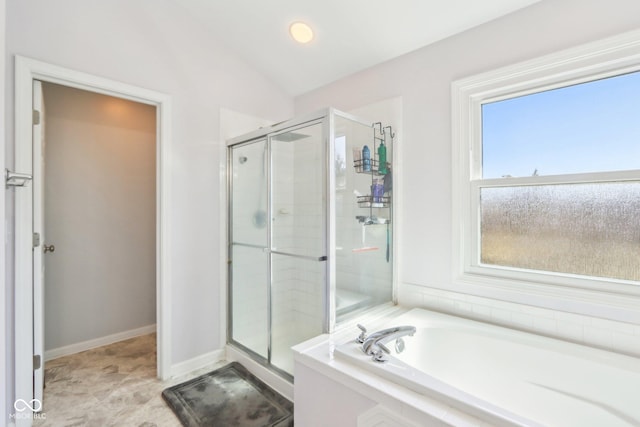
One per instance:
(310, 258)
(49, 248)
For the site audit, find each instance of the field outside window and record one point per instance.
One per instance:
(581, 228)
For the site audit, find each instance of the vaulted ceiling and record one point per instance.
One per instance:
(350, 35)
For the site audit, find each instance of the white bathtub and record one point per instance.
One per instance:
(513, 377)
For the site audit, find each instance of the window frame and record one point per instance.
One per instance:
(606, 58)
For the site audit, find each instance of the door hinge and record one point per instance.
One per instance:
(36, 240)
(37, 362)
(36, 117)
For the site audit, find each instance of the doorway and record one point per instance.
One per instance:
(26, 290)
(98, 238)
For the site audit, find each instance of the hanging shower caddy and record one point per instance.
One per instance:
(372, 200)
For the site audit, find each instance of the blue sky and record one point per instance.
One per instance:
(589, 127)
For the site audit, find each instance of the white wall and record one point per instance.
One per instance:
(100, 213)
(157, 45)
(5, 369)
(423, 80)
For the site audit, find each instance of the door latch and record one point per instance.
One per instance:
(37, 362)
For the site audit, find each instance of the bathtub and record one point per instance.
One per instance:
(512, 377)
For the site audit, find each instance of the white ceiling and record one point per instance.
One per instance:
(350, 35)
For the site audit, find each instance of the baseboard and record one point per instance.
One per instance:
(197, 362)
(97, 342)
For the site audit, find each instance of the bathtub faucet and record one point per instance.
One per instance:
(374, 345)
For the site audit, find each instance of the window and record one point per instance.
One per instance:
(546, 162)
(582, 128)
(569, 226)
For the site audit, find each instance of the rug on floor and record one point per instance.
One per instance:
(229, 396)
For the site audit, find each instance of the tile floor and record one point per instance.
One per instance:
(114, 385)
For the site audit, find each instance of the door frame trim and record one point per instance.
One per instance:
(27, 70)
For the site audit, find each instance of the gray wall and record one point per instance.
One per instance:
(100, 213)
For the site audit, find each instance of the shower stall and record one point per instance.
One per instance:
(310, 241)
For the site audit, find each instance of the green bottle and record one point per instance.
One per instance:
(382, 159)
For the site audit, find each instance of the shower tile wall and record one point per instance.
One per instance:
(309, 229)
(282, 267)
(607, 334)
(298, 228)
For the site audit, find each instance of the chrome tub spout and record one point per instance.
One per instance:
(374, 345)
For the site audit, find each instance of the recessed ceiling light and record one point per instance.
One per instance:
(301, 32)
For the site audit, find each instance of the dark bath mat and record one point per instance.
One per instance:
(228, 397)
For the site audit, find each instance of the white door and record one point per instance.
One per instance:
(39, 242)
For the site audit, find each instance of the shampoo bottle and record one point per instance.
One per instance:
(382, 159)
(366, 159)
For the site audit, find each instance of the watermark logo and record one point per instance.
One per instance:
(28, 409)
(22, 405)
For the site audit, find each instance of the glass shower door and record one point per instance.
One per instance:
(363, 235)
(298, 245)
(249, 270)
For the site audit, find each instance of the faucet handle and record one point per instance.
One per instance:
(378, 355)
(383, 347)
(363, 334)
